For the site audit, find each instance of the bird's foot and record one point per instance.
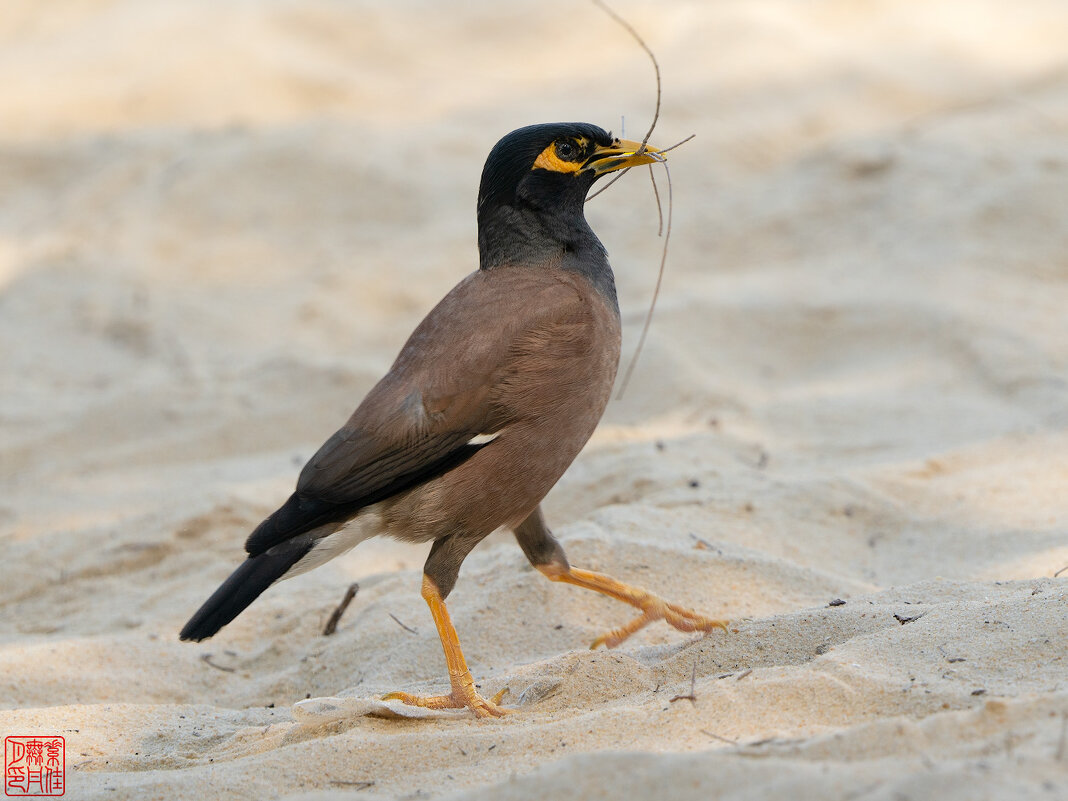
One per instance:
(653, 609)
(462, 695)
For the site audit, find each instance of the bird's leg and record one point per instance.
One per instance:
(439, 576)
(545, 553)
(463, 692)
(653, 608)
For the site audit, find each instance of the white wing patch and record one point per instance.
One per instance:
(483, 439)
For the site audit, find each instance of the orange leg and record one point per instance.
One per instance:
(653, 608)
(463, 692)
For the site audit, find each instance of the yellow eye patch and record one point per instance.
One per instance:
(550, 158)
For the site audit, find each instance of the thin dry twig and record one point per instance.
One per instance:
(666, 233)
(656, 66)
(623, 172)
(358, 785)
(659, 208)
(692, 697)
(715, 736)
(224, 668)
(656, 291)
(335, 616)
(677, 144)
(1060, 571)
(398, 621)
(604, 188)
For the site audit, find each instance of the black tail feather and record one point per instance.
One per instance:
(298, 515)
(244, 586)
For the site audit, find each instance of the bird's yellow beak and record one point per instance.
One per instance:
(621, 154)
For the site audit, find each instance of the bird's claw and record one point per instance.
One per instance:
(461, 697)
(654, 609)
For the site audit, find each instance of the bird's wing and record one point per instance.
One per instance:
(438, 405)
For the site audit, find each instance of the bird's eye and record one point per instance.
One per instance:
(566, 150)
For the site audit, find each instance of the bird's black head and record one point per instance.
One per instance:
(535, 183)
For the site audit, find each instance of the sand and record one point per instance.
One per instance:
(848, 432)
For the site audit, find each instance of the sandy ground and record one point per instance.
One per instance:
(218, 223)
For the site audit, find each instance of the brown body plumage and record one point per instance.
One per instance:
(567, 339)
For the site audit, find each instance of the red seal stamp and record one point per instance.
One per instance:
(35, 766)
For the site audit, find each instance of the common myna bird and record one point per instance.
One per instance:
(489, 401)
